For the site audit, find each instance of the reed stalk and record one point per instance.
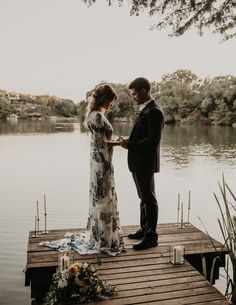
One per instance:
(226, 202)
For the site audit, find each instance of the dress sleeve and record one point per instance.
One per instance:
(97, 123)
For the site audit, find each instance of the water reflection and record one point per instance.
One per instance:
(181, 145)
(34, 126)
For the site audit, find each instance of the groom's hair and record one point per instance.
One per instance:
(139, 84)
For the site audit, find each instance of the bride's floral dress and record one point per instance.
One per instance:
(103, 233)
(103, 220)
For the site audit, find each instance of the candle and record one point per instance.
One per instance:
(45, 210)
(65, 262)
(178, 206)
(35, 225)
(37, 206)
(178, 254)
(182, 214)
(189, 200)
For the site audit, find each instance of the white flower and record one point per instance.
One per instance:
(85, 265)
(62, 283)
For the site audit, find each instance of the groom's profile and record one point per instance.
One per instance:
(144, 160)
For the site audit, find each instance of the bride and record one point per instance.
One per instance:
(103, 220)
(103, 234)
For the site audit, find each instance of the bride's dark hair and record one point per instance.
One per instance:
(100, 95)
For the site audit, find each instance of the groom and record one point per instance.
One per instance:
(144, 160)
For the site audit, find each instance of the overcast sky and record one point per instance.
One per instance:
(63, 48)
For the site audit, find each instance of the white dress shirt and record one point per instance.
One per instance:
(142, 106)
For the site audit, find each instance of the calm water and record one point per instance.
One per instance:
(39, 157)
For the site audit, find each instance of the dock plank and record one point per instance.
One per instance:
(141, 277)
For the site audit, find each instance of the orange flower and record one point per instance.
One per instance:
(78, 265)
(72, 270)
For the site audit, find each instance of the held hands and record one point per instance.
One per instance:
(123, 142)
(118, 142)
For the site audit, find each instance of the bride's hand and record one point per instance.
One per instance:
(115, 142)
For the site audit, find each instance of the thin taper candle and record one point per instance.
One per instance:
(35, 225)
(178, 207)
(188, 224)
(38, 214)
(37, 205)
(189, 199)
(45, 209)
(182, 214)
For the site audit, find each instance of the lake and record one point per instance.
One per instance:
(40, 157)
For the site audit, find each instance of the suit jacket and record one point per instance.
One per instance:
(144, 141)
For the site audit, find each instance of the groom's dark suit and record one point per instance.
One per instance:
(144, 160)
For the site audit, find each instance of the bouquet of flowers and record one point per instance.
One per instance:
(78, 284)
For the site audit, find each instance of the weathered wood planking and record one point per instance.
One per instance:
(141, 277)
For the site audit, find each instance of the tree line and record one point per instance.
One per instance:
(184, 97)
(26, 106)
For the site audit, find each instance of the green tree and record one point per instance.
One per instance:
(178, 92)
(181, 15)
(218, 100)
(5, 108)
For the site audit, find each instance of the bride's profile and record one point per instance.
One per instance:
(103, 220)
(103, 233)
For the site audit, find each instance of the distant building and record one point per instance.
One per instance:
(12, 118)
(13, 97)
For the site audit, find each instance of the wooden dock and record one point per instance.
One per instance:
(141, 277)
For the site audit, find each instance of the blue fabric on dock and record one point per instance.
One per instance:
(83, 243)
(80, 242)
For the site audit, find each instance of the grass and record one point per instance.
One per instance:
(227, 205)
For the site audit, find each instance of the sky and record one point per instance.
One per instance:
(64, 48)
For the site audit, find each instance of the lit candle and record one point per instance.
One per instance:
(178, 255)
(45, 210)
(65, 262)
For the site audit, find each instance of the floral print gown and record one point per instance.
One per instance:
(103, 220)
(103, 233)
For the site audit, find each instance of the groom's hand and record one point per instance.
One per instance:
(124, 143)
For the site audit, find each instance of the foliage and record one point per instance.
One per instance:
(26, 105)
(5, 108)
(78, 284)
(227, 205)
(181, 15)
(123, 106)
(184, 97)
(177, 94)
(217, 100)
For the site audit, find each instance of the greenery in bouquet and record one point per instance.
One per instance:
(78, 284)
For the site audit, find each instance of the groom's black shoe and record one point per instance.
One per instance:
(145, 244)
(137, 235)
(150, 240)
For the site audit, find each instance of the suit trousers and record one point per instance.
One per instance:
(148, 203)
